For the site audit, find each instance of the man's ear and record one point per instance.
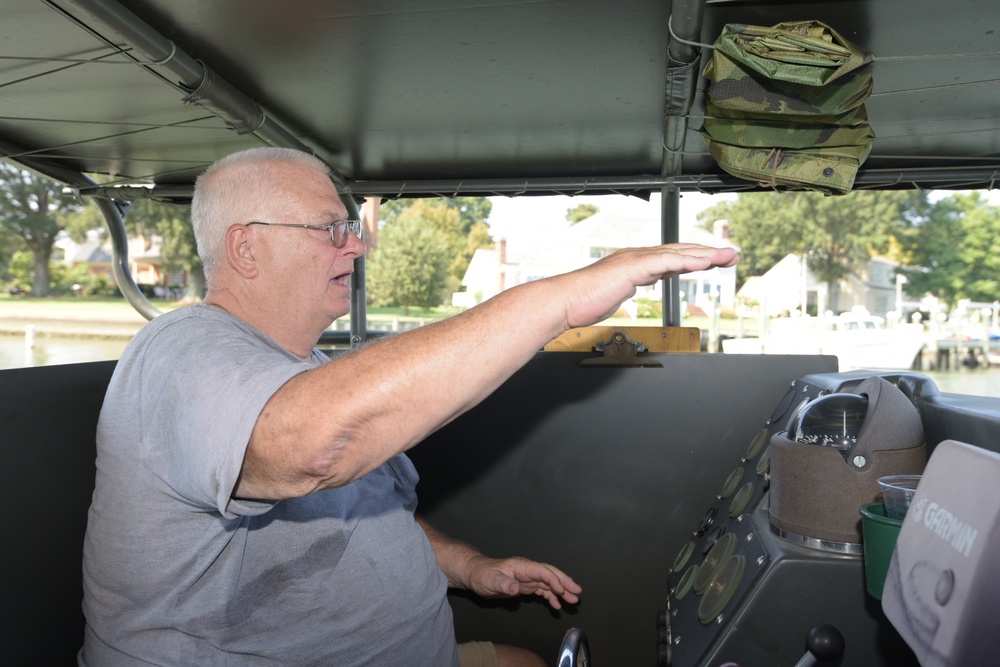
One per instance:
(240, 250)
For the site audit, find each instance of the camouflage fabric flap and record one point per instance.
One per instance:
(854, 137)
(748, 72)
(805, 52)
(829, 171)
(786, 105)
(853, 117)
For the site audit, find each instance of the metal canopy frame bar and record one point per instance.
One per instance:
(979, 177)
(202, 87)
(200, 84)
(686, 17)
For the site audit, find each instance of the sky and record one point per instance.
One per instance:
(528, 222)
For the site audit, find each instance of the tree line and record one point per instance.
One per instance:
(424, 246)
(948, 247)
(945, 246)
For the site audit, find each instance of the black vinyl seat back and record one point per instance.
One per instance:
(48, 420)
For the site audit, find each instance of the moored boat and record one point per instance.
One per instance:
(858, 340)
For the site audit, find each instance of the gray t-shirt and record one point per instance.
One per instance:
(176, 572)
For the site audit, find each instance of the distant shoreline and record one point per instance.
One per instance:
(59, 320)
(62, 329)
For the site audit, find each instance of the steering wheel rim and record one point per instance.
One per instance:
(575, 651)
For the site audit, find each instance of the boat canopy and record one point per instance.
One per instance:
(455, 97)
(123, 101)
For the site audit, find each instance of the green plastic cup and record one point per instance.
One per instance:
(879, 533)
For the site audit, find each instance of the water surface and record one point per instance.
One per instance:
(52, 350)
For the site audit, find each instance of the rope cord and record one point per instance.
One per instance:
(928, 56)
(101, 61)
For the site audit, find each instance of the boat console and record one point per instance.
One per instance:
(656, 490)
(640, 482)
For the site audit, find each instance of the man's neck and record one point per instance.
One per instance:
(274, 324)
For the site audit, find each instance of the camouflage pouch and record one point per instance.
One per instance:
(785, 105)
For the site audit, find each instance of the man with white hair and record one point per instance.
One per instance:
(254, 504)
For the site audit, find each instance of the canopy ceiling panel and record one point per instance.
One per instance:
(444, 96)
(448, 88)
(107, 116)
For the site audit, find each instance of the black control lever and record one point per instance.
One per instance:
(823, 642)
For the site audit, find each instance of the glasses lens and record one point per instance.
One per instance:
(340, 230)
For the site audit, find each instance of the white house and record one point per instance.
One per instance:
(789, 286)
(486, 276)
(585, 242)
(873, 286)
(144, 260)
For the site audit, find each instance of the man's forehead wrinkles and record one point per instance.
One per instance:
(330, 217)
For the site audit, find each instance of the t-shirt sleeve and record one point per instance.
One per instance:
(202, 388)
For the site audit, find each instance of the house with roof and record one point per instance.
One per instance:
(144, 261)
(789, 286)
(585, 242)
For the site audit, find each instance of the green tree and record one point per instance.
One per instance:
(462, 220)
(31, 208)
(9, 244)
(20, 270)
(952, 253)
(410, 265)
(752, 226)
(581, 212)
(836, 234)
(80, 222)
(980, 281)
(470, 210)
(179, 251)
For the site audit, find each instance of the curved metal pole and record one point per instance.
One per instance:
(113, 218)
(115, 222)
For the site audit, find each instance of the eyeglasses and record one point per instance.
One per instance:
(338, 230)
